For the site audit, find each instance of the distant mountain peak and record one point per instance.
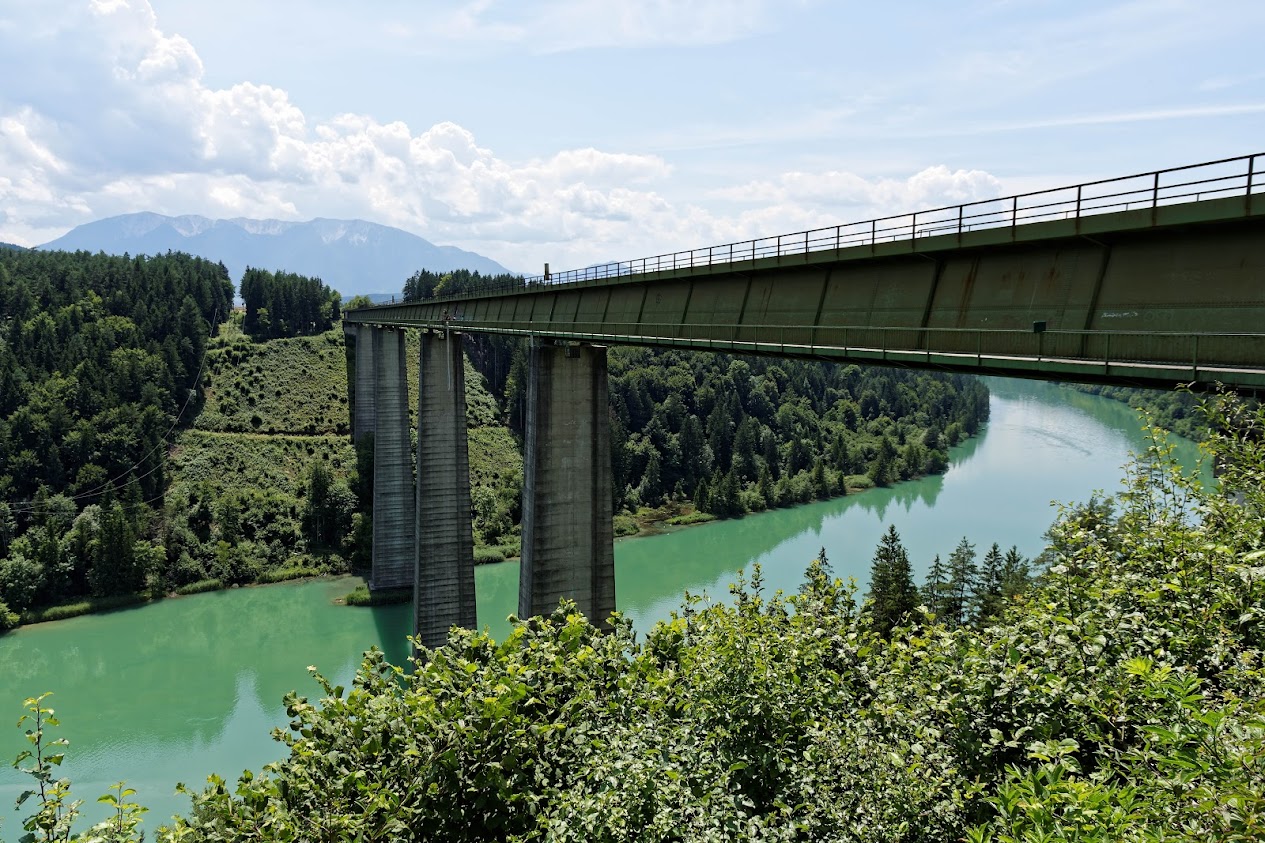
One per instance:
(353, 256)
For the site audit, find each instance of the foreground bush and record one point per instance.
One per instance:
(1121, 699)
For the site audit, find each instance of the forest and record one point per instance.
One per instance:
(162, 444)
(283, 304)
(99, 361)
(1118, 698)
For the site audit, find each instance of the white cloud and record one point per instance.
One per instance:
(113, 115)
(564, 25)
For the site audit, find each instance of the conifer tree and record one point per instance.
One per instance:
(962, 576)
(1016, 574)
(988, 600)
(935, 591)
(892, 592)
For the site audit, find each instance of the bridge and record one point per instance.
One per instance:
(1148, 280)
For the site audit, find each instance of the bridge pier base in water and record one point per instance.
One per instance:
(568, 548)
(443, 594)
(394, 516)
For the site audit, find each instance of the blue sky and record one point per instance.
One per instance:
(577, 131)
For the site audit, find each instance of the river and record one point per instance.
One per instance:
(185, 687)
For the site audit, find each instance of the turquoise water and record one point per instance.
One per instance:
(185, 687)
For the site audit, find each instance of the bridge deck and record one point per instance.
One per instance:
(1095, 291)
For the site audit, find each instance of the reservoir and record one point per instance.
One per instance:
(182, 688)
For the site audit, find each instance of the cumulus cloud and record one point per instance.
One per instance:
(104, 113)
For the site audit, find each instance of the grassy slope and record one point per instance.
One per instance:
(274, 407)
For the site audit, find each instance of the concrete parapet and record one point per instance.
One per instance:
(568, 548)
(393, 510)
(444, 593)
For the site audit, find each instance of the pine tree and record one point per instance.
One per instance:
(1016, 575)
(988, 601)
(962, 575)
(935, 591)
(892, 592)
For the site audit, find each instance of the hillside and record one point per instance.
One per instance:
(273, 409)
(352, 255)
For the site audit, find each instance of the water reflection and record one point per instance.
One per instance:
(175, 690)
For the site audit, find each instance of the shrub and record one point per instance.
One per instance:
(8, 620)
(200, 586)
(485, 555)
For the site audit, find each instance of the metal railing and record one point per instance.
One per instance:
(1239, 176)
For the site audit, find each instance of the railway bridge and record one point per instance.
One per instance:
(1148, 280)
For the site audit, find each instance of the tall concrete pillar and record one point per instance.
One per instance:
(443, 596)
(393, 511)
(366, 352)
(568, 542)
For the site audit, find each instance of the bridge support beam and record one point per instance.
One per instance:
(443, 595)
(393, 510)
(365, 378)
(568, 548)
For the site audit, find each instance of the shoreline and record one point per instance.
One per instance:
(650, 522)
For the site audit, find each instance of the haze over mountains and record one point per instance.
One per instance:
(352, 256)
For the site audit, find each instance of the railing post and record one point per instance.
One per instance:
(1247, 195)
(1014, 211)
(873, 232)
(961, 208)
(1078, 200)
(913, 228)
(805, 243)
(1155, 192)
(837, 227)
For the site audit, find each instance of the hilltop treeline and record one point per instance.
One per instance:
(425, 284)
(99, 360)
(1118, 700)
(283, 304)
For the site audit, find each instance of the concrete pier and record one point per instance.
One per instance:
(393, 510)
(568, 548)
(365, 352)
(443, 595)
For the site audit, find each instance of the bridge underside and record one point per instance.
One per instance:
(1166, 295)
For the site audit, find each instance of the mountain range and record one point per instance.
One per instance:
(352, 256)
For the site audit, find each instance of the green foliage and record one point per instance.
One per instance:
(1119, 699)
(287, 305)
(8, 619)
(893, 595)
(1173, 410)
(55, 813)
(425, 284)
(91, 606)
(362, 596)
(486, 555)
(743, 434)
(200, 587)
(98, 355)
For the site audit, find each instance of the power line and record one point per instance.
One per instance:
(29, 507)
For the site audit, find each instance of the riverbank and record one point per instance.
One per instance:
(180, 688)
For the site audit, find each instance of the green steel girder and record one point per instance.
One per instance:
(1150, 297)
